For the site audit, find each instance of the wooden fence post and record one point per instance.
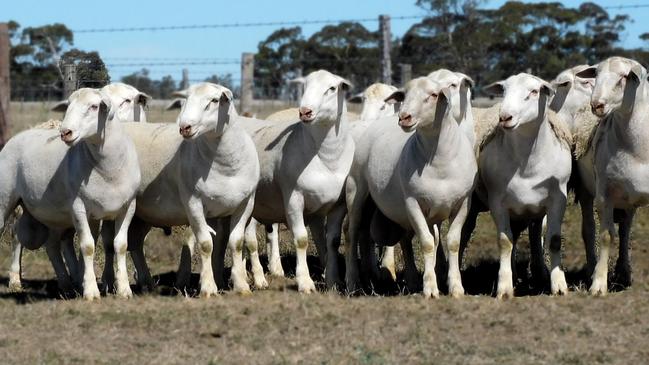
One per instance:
(5, 85)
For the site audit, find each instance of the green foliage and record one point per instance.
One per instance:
(488, 44)
(158, 89)
(91, 70)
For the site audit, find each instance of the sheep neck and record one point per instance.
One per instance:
(220, 149)
(529, 141)
(629, 123)
(439, 139)
(108, 152)
(328, 138)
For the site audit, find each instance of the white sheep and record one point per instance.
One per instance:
(304, 164)
(93, 178)
(614, 170)
(205, 177)
(524, 169)
(416, 179)
(131, 104)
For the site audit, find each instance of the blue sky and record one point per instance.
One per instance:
(226, 43)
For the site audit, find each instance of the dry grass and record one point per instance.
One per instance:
(281, 326)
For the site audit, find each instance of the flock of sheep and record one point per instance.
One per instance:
(418, 156)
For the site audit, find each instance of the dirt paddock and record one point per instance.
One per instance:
(279, 325)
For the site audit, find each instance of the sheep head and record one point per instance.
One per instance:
(374, 104)
(323, 101)
(525, 99)
(460, 86)
(424, 102)
(86, 116)
(616, 81)
(208, 108)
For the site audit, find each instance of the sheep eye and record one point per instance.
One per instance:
(534, 92)
(94, 107)
(215, 101)
(127, 101)
(332, 89)
(453, 85)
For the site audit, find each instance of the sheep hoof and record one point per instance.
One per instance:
(91, 292)
(275, 268)
(431, 293)
(260, 282)
(125, 292)
(558, 283)
(15, 287)
(305, 285)
(505, 292)
(598, 288)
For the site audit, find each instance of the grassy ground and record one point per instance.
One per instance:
(281, 326)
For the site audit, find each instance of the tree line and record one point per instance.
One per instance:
(462, 35)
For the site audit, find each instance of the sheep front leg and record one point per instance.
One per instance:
(453, 237)
(120, 244)
(67, 244)
(295, 222)
(203, 233)
(599, 287)
(505, 243)
(235, 243)
(333, 235)
(87, 247)
(274, 258)
(387, 262)
(555, 214)
(252, 244)
(355, 195)
(587, 228)
(428, 246)
(15, 284)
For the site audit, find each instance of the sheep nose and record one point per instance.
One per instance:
(405, 119)
(597, 107)
(66, 134)
(306, 114)
(505, 117)
(185, 129)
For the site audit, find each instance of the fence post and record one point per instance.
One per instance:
(70, 79)
(406, 73)
(247, 75)
(4, 84)
(386, 46)
(184, 84)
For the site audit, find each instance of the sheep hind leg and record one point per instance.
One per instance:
(622, 274)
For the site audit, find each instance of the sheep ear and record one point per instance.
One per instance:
(106, 106)
(466, 80)
(547, 89)
(588, 73)
(447, 95)
(61, 106)
(562, 80)
(181, 93)
(496, 89)
(143, 98)
(638, 71)
(226, 95)
(177, 103)
(396, 97)
(356, 99)
(345, 84)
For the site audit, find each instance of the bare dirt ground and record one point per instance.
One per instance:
(279, 325)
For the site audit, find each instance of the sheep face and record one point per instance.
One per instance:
(323, 101)
(460, 86)
(86, 116)
(525, 99)
(572, 89)
(374, 104)
(616, 79)
(130, 103)
(424, 102)
(207, 109)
